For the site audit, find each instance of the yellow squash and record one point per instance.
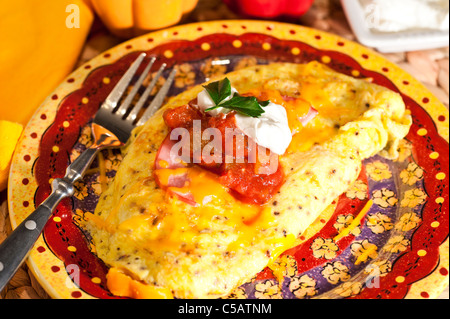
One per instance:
(40, 44)
(9, 135)
(128, 18)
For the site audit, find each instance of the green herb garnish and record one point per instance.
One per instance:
(246, 105)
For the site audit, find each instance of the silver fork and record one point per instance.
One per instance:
(111, 127)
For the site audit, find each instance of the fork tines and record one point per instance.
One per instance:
(131, 114)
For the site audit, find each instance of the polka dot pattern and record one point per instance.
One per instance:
(266, 46)
(76, 294)
(206, 46)
(425, 295)
(168, 54)
(237, 43)
(422, 253)
(422, 132)
(435, 224)
(326, 59)
(400, 279)
(440, 176)
(295, 51)
(434, 155)
(72, 248)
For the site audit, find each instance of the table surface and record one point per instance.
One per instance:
(431, 67)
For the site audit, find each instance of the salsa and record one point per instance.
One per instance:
(247, 170)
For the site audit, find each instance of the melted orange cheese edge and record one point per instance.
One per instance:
(123, 285)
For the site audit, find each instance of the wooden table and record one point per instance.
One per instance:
(431, 67)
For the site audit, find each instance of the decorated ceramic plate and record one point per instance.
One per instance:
(397, 247)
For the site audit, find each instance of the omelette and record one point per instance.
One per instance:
(207, 236)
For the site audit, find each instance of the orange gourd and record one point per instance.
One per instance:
(128, 18)
(39, 48)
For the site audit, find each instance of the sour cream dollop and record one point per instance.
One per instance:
(270, 130)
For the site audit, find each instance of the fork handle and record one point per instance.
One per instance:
(76, 170)
(15, 248)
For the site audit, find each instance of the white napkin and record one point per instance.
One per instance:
(404, 15)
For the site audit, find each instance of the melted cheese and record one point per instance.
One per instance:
(212, 197)
(124, 286)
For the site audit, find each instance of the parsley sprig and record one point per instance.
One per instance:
(246, 105)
